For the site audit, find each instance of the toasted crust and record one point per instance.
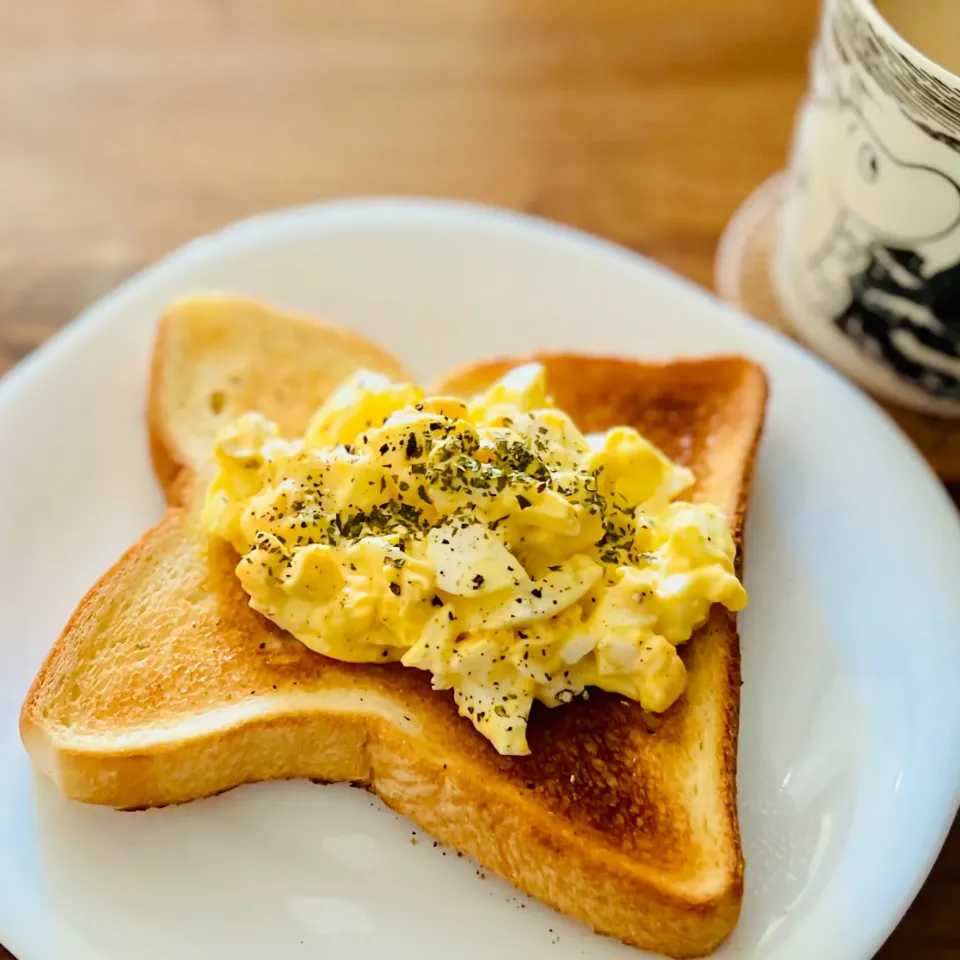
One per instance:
(166, 686)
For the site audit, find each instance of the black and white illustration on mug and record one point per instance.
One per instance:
(881, 248)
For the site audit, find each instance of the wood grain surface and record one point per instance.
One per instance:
(128, 127)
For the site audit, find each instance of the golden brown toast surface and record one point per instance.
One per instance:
(216, 357)
(165, 686)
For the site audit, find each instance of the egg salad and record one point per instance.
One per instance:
(489, 542)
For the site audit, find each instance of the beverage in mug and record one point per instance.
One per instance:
(931, 27)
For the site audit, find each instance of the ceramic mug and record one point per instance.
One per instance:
(867, 262)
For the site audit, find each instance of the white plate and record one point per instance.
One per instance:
(850, 730)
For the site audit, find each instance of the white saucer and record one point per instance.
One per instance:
(850, 730)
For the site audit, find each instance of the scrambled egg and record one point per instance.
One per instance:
(490, 543)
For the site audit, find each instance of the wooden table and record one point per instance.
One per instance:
(127, 128)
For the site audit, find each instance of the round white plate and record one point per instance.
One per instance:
(850, 728)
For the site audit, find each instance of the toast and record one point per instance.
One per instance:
(165, 686)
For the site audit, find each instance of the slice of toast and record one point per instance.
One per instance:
(165, 686)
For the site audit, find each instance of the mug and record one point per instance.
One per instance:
(867, 257)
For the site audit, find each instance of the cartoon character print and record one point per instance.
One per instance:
(910, 319)
(866, 269)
